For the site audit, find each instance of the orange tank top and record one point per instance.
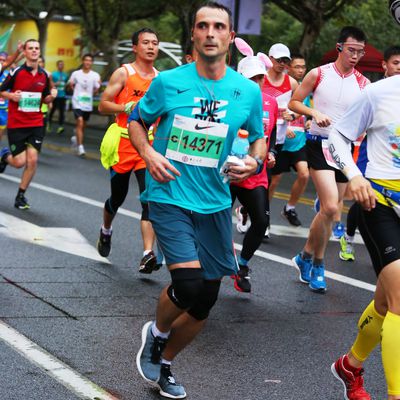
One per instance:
(135, 88)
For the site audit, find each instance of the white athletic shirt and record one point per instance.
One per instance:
(377, 111)
(333, 94)
(85, 85)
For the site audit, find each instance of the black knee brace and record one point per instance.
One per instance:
(145, 212)
(206, 300)
(187, 284)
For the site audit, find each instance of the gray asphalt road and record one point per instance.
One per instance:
(278, 342)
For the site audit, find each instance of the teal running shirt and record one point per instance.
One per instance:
(199, 120)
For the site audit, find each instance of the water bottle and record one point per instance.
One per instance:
(239, 150)
(240, 145)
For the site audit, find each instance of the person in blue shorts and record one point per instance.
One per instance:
(201, 106)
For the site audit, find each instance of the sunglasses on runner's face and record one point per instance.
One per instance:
(282, 60)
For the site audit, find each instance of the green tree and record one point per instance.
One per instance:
(313, 15)
(40, 11)
(102, 22)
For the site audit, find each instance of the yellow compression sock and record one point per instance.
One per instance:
(391, 352)
(369, 332)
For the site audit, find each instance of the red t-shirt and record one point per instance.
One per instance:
(270, 116)
(21, 78)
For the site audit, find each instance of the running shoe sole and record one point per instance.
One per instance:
(294, 263)
(351, 258)
(170, 396)
(139, 354)
(336, 375)
(318, 290)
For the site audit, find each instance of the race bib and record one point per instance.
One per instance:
(29, 102)
(85, 99)
(196, 142)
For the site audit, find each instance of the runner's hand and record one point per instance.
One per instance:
(238, 173)
(321, 119)
(362, 192)
(16, 96)
(271, 160)
(53, 92)
(287, 115)
(290, 133)
(159, 167)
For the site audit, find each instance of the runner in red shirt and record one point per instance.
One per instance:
(26, 88)
(253, 192)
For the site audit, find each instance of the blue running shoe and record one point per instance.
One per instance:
(168, 386)
(338, 230)
(317, 206)
(4, 153)
(304, 268)
(148, 359)
(317, 281)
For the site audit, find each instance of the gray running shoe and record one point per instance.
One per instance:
(21, 202)
(149, 355)
(148, 263)
(168, 386)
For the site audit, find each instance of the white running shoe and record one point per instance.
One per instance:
(74, 143)
(81, 150)
(244, 222)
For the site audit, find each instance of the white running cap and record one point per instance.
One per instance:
(251, 66)
(279, 50)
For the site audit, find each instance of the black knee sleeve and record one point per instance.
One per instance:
(145, 212)
(109, 207)
(187, 284)
(206, 300)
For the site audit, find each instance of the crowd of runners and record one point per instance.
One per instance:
(175, 129)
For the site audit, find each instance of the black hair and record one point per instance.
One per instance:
(351, 31)
(88, 55)
(391, 51)
(135, 36)
(294, 55)
(214, 4)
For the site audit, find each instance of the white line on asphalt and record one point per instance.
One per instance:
(259, 253)
(72, 380)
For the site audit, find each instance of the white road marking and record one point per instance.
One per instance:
(72, 380)
(68, 240)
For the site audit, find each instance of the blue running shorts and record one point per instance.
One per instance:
(185, 235)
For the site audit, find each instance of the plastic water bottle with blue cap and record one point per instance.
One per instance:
(239, 150)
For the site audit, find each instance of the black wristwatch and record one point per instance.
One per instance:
(260, 164)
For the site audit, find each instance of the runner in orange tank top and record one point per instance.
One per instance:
(126, 86)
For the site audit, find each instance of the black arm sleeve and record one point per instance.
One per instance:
(272, 140)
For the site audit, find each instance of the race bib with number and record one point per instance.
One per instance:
(85, 100)
(196, 142)
(29, 102)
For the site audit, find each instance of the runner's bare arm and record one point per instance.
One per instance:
(296, 102)
(157, 165)
(13, 57)
(13, 96)
(116, 83)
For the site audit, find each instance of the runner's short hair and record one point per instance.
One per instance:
(214, 4)
(351, 31)
(135, 36)
(88, 55)
(28, 41)
(297, 55)
(391, 51)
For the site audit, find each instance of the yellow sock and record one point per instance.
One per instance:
(369, 332)
(391, 352)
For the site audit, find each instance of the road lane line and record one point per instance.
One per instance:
(259, 253)
(58, 370)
